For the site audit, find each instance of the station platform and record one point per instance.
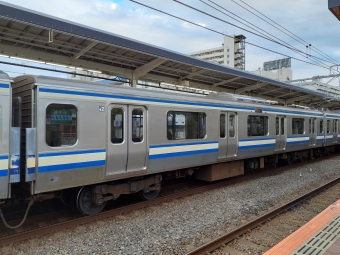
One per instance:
(320, 236)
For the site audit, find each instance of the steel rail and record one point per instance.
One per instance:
(230, 236)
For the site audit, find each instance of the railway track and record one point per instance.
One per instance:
(264, 232)
(56, 221)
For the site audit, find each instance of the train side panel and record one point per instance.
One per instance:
(174, 142)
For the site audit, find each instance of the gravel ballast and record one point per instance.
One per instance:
(180, 225)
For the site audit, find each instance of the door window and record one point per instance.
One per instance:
(232, 125)
(117, 125)
(335, 126)
(282, 125)
(137, 125)
(222, 125)
(277, 126)
(321, 126)
(328, 126)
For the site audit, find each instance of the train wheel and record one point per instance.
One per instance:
(151, 194)
(85, 202)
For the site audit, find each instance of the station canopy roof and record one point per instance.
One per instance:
(32, 35)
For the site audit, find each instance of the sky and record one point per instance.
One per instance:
(309, 19)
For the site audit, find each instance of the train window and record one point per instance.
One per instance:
(298, 126)
(186, 125)
(282, 126)
(313, 126)
(117, 125)
(310, 126)
(222, 125)
(202, 125)
(335, 126)
(137, 125)
(321, 126)
(61, 125)
(277, 125)
(257, 125)
(232, 125)
(328, 126)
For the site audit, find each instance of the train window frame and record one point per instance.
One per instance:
(123, 126)
(335, 126)
(223, 135)
(277, 125)
(174, 132)
(265, 129)
(328, 126)
(294, 120)
(321, 127)
(230, 125)
(76, 126)
(141, 139)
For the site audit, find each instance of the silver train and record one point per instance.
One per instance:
(89, 143)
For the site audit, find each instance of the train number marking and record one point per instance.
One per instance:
(102, 108)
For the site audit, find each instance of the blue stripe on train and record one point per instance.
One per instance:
(5, 86)
(297, 142)
(62, 167)
(3, 157)
(179, 154)
(3, 172)
(79, 93)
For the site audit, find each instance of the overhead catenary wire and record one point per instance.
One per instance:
(212, 16)
(302, 41)
(215, 31)
(296, 50)
(289, 46)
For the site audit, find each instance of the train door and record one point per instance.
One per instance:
(335, 131)
(126, 149)
(228, 142)
(280, 132)
(232, 135)
(312, 131)
(137, 149)
(223, 140)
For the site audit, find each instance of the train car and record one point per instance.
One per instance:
(94, 142)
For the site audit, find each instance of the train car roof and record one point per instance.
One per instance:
(86, 86)
(4, 77)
